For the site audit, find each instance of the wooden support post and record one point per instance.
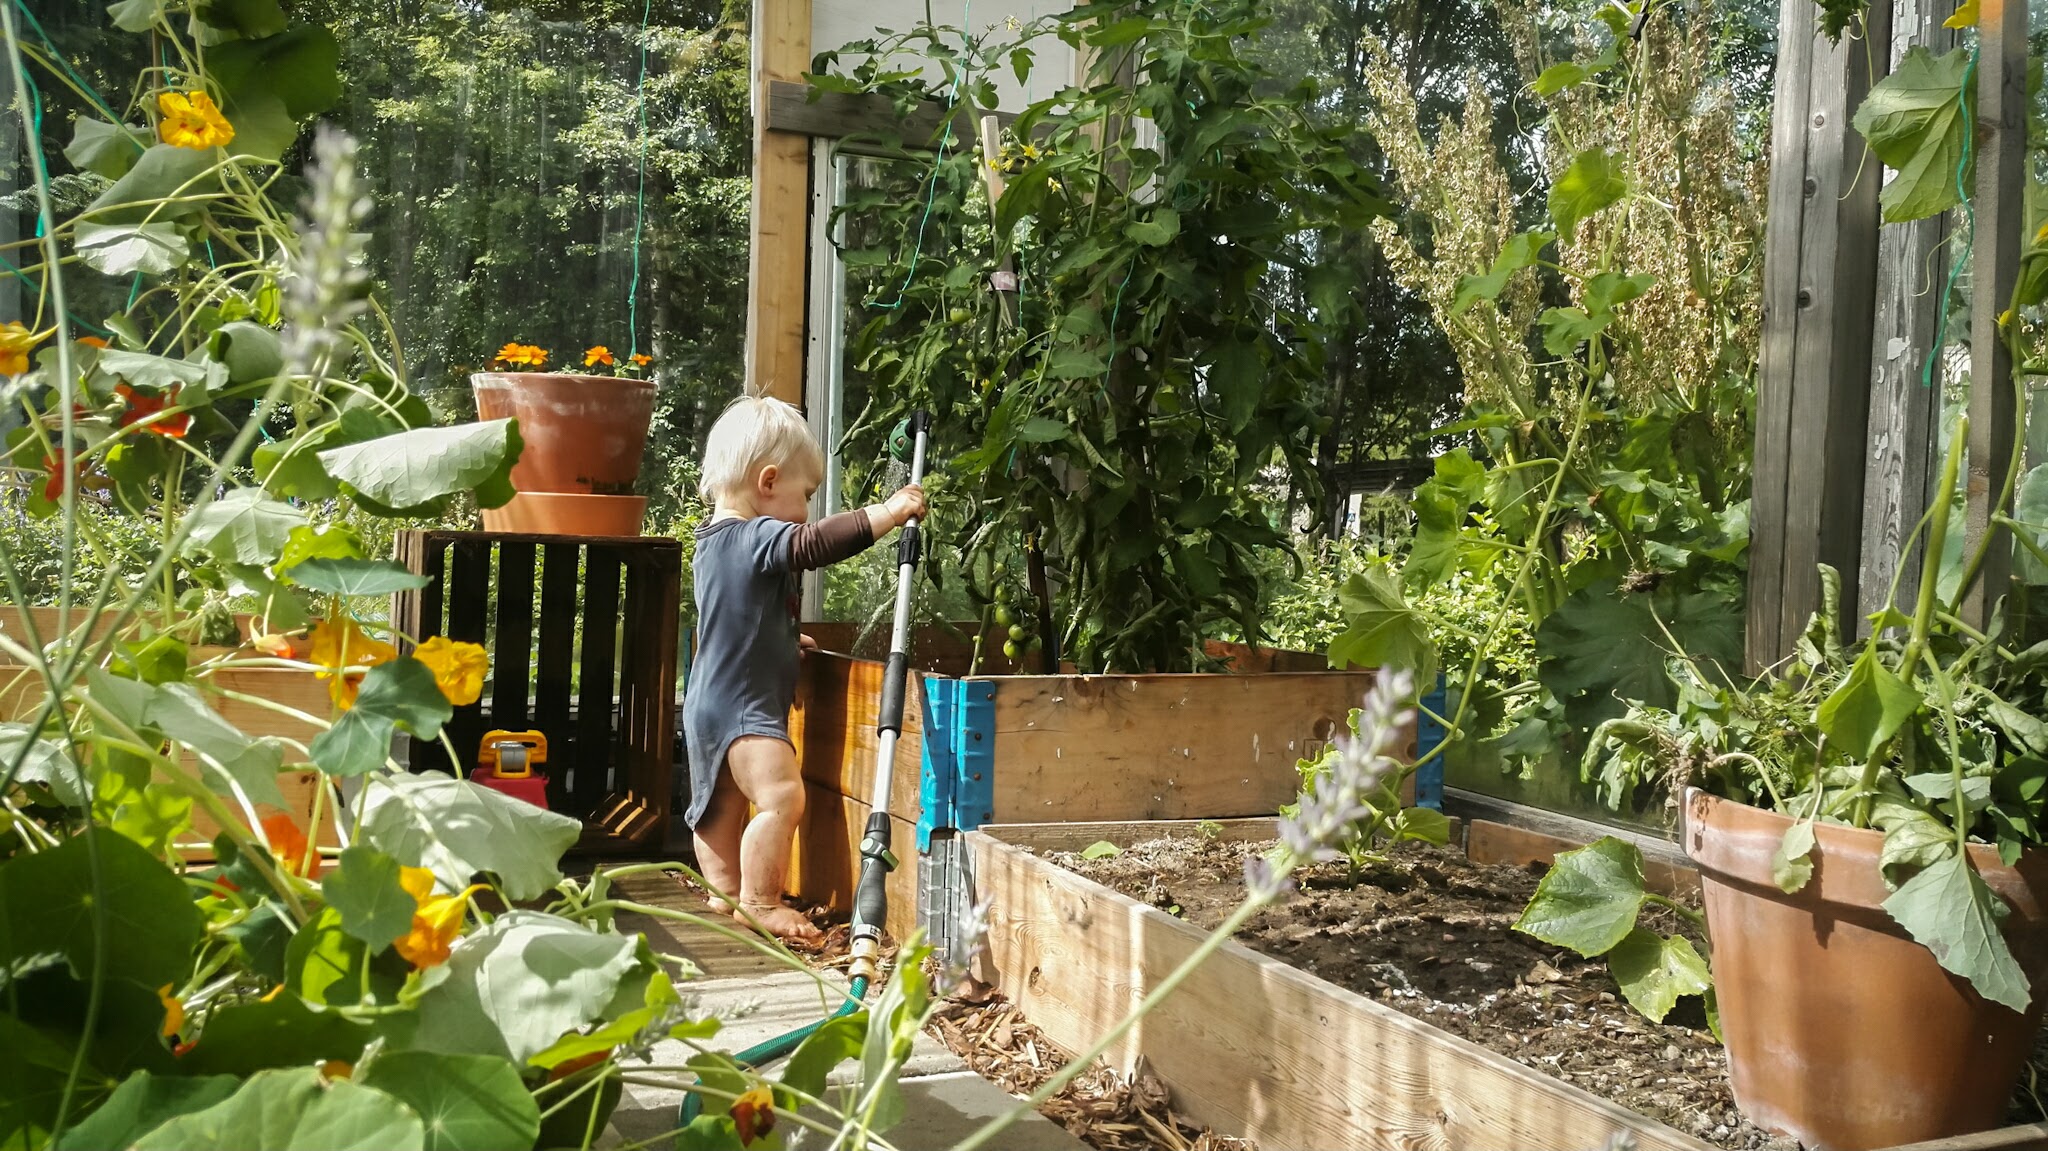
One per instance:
(1905, 400)
(2001, 144)
(1820, 262)
(780, 224)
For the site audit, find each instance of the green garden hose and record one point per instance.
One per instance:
(771, 1050)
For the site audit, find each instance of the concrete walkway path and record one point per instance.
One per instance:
(757, 999)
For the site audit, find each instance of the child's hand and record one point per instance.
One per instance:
(805, 644)
(906, 503)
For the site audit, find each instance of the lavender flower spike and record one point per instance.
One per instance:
(1338, 800)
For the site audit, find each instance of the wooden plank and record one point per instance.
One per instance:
(2023, 1137)
(946, 649)
(2001, 153)
(1499, 843)
(826, 864)
(554, 679)
(1043, 837)
(833, 728)
(794, 106)
(1254, 1047)
(1819, 293)
(1473, 806)
(779, 246)
(597, 680)
(468, 591)
(1161, 746)
(1912, 268)
(512, 654)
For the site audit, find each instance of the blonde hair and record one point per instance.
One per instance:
(756, 432)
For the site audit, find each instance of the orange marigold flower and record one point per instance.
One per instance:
(144, 410)
(598, 355)
(522, 355)
(16, 341)
(459, 668)
(174, 1011)
(435, 922)
(288, 843)
(191, 120)
(642, 359)
(344, 645)
(754, 1114)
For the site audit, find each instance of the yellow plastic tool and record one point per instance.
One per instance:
(513, 754)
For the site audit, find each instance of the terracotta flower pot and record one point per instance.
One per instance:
(583, 434)
(1842, 1031)
(568, 514)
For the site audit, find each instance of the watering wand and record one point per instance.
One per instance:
(871, 896)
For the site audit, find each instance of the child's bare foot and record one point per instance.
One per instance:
(720, 905)
(784, 923)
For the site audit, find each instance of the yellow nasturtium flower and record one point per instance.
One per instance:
(435, 922)
(191, 120)
(174, 1011)
(16, 341)
(459, 668)
(345, 645)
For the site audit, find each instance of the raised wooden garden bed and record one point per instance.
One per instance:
(22, 692)
(1043, 749)
(1254, 1046)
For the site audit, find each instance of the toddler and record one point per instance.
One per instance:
(760, 470)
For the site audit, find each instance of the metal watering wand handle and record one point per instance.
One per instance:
(871, 898)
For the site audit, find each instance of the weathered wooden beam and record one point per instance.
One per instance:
(2001, 145)
(794, 106)
(1905, 400)
(779, 240)
(1813, 381)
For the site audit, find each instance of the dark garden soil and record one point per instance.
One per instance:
(1430, 934)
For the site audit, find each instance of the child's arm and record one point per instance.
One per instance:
(847, 534)
(886, 517)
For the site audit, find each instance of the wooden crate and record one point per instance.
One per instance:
(1051, 748)
(582, 635)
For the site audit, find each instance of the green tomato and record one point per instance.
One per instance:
(1018, 632)
(1004, 618)
(1002, 593)
(1010, 650)
(959, 315)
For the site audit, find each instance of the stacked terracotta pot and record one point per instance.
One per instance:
(585, 436)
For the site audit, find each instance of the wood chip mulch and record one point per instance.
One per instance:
(1103, 1108)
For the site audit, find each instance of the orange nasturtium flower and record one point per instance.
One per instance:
(141, 407)
(288, 844)
(174, 1011)
(94, 342)
(754, 1114)
(459, 668)
(191, 120)
(522, 355)
(642, 359)
(16, 341)
(337, 1069)
(435, 922)
(598, 355)
(344, 645)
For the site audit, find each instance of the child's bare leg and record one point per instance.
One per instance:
(718, 841)
(766, 771)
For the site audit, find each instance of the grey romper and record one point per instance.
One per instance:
(743, 679)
